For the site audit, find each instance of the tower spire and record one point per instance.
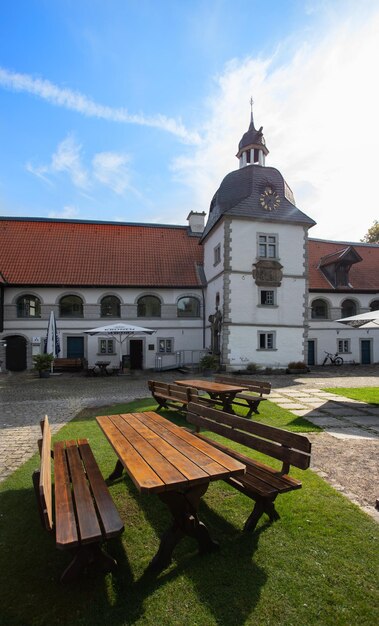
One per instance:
(252, 147)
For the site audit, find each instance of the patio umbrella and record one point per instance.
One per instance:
(52, 345)
(120, 332)
(366, 320)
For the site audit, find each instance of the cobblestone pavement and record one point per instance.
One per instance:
(25, 399)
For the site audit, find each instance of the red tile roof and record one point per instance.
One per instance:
(363, 276)
(53, 252)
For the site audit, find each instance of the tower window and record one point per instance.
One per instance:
(266, 341)
(267, 297)
(267, 246)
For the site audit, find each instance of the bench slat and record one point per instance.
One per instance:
(171, 395)
(284, 437)
(89, 528)
(270, 448)
(45, 489)
(253, 385)
(110, 519)
(65, 523)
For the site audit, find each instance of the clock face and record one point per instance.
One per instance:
(269, 199)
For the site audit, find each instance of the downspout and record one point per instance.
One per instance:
(1, 308)
(203, 297)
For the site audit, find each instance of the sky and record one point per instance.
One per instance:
(132, 110)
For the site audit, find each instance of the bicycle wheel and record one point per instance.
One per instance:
(338, 360)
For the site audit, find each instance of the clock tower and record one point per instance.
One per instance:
(255, 263)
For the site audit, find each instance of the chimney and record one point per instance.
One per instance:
(196, 221)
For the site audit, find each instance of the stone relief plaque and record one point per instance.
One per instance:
(267, 272)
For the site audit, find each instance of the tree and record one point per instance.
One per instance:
(372, 235)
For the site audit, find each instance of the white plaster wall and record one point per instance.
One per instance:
(186, 333)
(326, 333)
(246, 308)
(244, 245)
(244, 347)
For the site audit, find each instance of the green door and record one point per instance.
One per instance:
(75, 347)
(365, 352)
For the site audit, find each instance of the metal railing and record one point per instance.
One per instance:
(181, 358)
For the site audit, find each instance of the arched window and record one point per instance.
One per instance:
(348, 308)
(71, 306)
(148, 306)
(188, 307)
(374, 306)
(28, 306)
(110, 307)
(319, 309)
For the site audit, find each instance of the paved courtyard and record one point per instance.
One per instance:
(354, 426)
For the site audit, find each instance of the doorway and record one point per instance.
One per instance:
(365, 351)
(311, 352)
(15, 353)
(75, 347)
(136, 354)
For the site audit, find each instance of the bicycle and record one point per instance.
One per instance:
(334, 358)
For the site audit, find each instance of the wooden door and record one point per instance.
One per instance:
(75, 347)
(15, 353)
(136, 354)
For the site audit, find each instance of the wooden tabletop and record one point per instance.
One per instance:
(210, 386)
(161, 456)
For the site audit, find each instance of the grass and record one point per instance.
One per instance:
(316, 566)
(369, 395)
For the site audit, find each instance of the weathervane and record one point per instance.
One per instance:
(251, 109)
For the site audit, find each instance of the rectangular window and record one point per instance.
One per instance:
(266, 341)
(165, 346)
(217, 254)
(343, 346)
(106, 346)
(267, 246)
(267, 297)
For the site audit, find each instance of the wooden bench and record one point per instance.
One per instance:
(85, 515)
(68, 364)
(261, 482)
(253, 386)
(169, 395)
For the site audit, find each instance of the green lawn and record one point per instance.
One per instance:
(316, 565)
(370, 395)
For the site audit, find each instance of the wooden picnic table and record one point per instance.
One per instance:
(163, 458)
(223, 392)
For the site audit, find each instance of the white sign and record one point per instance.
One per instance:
(36, 340)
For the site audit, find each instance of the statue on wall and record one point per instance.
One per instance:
(216, 325)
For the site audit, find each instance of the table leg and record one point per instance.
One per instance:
(227, 403)
(117, 472)
(183, 507)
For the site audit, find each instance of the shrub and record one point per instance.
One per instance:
(42, 362)
(208, 362)
(297, 365)
(252, 367)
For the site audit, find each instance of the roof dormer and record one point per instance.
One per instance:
(336, 266)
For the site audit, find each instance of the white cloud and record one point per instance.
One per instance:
(68, 159)
(68, 212)
(319, 112)
(76, 101)
(111, 169)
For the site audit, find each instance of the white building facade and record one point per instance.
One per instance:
(250, 285)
